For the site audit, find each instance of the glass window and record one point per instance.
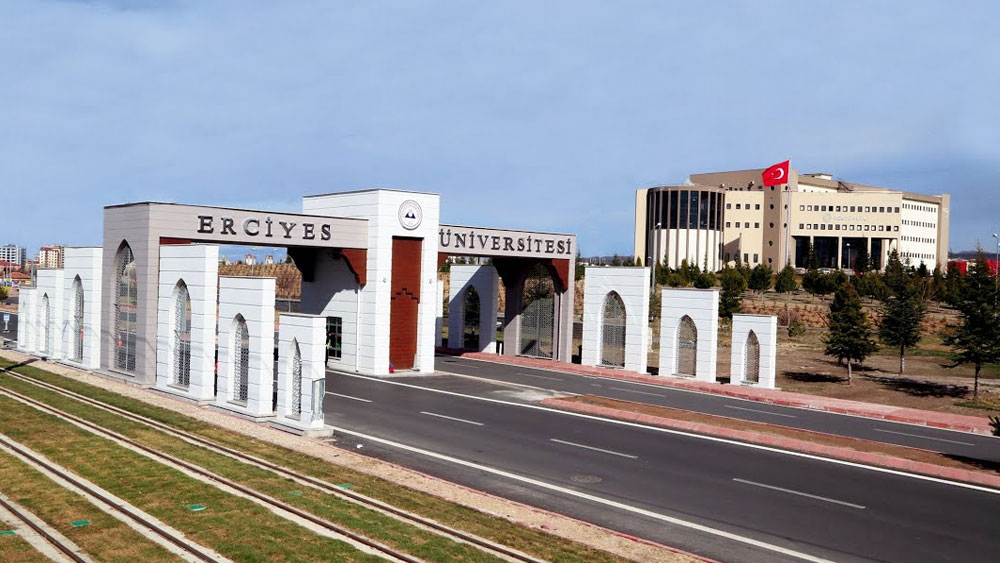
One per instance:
(334, 337)
(729, 206)
(897, 210)
(809, 208)
(683, 210)
(802, 208)
(756, 258)
(693, 210)
(746, 258)
(801, 226)
(738, 206)
(673, 209)
(757, 206)
(852, 209)
(756, 225)
(703, 210)
(727, 224)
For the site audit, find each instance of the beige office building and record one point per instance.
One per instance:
(724, 217)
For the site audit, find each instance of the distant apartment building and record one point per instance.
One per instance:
(13, 254)
(724, 217)
(50, 256)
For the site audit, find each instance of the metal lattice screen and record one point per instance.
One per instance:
(537, 315)
(751, 359)
(471, 317)
(182, 336)
(297, 381)
(46, 331)
(613, 331)
(126, 311)
(687, 347)
(77, 320)
(241, 351)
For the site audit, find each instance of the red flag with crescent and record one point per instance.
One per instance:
(776, 175)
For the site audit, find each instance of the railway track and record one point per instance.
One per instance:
(61, 546)
(483, 544)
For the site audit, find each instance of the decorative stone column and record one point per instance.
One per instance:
(246, 302)
(602, 287)
(301, 373)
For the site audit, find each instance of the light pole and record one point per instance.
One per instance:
(848, 255)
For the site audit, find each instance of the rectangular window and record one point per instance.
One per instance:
(881, 210)
(756, 258)
(897, 210)
(738, 205)
(756, 225)
(757, 206)
(815, 226)
(801, 226)
(693, 215)
(729, 206)
(802, 208)
(683, 210)
(880, 227)
(852, 227)
(809, 208)
(852, 209)
(727, 224)
(703, 211)
(836, 227)
(822, 226)
(746, 258)
(334, 337)
(673, 210)
(896, 228)
(809, 227)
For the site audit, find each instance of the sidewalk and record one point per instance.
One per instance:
(933, 419)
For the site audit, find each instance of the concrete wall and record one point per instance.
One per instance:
(439, 320)
(253, 298)
(766, 329)
(381, 208)
(334, 292)
(50, 284)
(702, 305)
(197, 267)
(308, 334)
(26, 320)
(84, 263)
(485, 281)
(632, 285)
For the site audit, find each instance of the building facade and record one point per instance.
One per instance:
(13, 254)
(776, 225)
(51, 256)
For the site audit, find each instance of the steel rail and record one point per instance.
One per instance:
(55, 542)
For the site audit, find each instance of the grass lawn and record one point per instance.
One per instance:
(14, 549)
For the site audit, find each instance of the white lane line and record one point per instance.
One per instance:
(592, 448)
(596, 385)
(760, 411)
(348, 397)
(923, 437)
(452, 418)
(634, 391)
(539, 376)
(801, 494)
(791, 453)
(589, 497)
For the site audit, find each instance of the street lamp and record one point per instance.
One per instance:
(848, 255)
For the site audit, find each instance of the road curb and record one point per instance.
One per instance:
(930, 419)
(835, 452)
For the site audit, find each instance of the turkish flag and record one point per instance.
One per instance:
(775, 175)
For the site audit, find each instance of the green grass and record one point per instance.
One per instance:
(14, 549)
(537, 543)
(105, 539)
(981, 404)
(233, 526)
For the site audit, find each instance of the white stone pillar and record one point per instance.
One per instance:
(301, 347)
(486, 283)
(439, 322)
(26, 320)
(196, 267)
(632, 286)
(765, 328)
(50, 330)
(83, 264)
(252, 300)
(702, 307)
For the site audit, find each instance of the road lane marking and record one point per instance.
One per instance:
(348, 397)
(596, 385)
(593, 448)
(923, 437)
(588, 497)
(634, 391)
(760, 411)
(801, 494)
(728, 441)
(539, 376)
(452, 418)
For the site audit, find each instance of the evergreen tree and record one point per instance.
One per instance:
(733, 286)
(861, 262)
(902, 310)
(812, 261)
(850, 335)
(685, 272)
(784, 282)
(952, 285)
(760, 279)
(976, 341)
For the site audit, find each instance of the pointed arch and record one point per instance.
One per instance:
(296, 394)
(181, 322)
(471, 315)
(241, 359)
(751, 359)
(78, 325)
(613, 330)
(687, 347)
(126, 309)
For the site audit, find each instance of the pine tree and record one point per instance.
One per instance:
(976, 341)
(733, 285)
(850, 335)
(784, 282)
(760, 279)
(902, 310)
(861, 262)
(952, 285)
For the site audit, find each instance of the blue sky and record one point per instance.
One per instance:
(544, 115)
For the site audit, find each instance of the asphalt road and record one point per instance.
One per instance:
(638, 478)
(959, 444)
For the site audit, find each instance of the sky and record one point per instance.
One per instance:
(535, 115)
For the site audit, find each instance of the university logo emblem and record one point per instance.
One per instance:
(410, 214)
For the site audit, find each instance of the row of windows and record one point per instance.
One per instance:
(917, 255)
(746, 225)
(837, 227)
(848, 209)
(684, 209)
(747, 206)
(746, 256)
(919, 208)
(918, 239)
(919, 224)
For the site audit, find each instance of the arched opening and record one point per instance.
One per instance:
(126, 309)
(296, 379)
(471, 319)
(241, 359)
(537, 314)
(613, 331)
(77, 320)
(182, 335)
(751, 359)
(687, 347)
(46, 346)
